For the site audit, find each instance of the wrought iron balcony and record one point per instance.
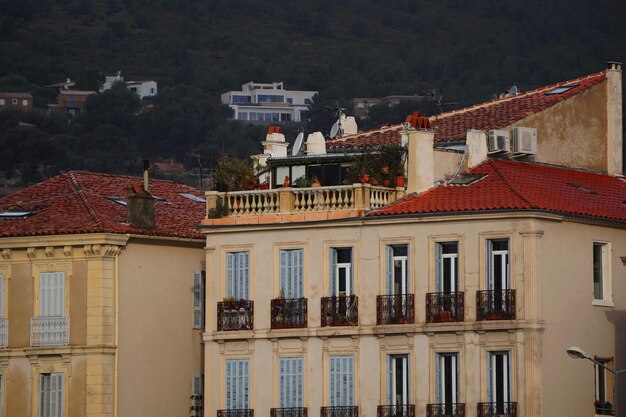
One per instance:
(289, 313)
(407, 410)
(288, 412)
(4, 332)
(443, 307)
(495, 305)
(340, 311)
(49, 331)
(445, 410)
(395, 309)
(242, 412)
(348, 411)
(604, 408)
(497, 409)
(235, 315)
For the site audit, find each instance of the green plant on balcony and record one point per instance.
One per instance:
(236, 174)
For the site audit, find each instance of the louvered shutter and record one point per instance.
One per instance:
(51, 293)
(284, 271)
(291, 386)
(56, 394)
(44, 395)
(351, 271)
(490, 381)
(198, 300)
(237, 275)
(298, 273)
(457, 380)
(438, 378)
(230, 275)
(489, 265)
(197, 387)
(390, 393)
(389, 256)
(237, 384)
(438, 268)
(243, 272)
(333, 271)
(291, 272)
(341, 381)
(1, 298)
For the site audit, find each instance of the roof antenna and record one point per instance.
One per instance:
(146, 167)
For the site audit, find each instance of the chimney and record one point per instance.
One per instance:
(475, 147)
(146, 167)
(420, 165)
(614, 118)
(140, 204)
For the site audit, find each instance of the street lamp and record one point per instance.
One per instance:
(577, 353)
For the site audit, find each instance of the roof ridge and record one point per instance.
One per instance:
(509, 184)
(84, 199)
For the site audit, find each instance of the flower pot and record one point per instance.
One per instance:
(386, 183)
(400, 181)
(365, 178)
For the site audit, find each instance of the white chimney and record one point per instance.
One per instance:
(420, 159)
(315, 144)
(476, 147)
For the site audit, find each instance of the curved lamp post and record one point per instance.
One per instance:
(577, 353)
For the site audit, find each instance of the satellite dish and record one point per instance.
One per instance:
(334, 130)
(297, 144)
(513, 91)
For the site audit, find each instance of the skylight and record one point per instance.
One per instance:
(581, 188)
(466, 179)
(193, 197)
(560, 90)
(118, 200)
(14, 214)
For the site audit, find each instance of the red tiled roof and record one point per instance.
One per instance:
(495, 114)
(76, 202)
(511, 185)
(500, 113)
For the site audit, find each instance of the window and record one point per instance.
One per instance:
(1, 300)
(308, 101)
(266, 98)
(4, 323)
(601, 272)
(291, 382)
(561, 90)
(199, 280)
(52, 295)
(341, 281)
(197, 396)
(237, 275)
(398, 379)
(290, 101)
(242, 115)
(498, 377)
(237, 384)
(241, 99)
(341, 386)
(291, 273)
(285, 117)
(397, 269)
(51, 395)
(604, 386)
(446, 267)
(24, 102)
(1, 102)
(14, 101)
(498, 264)
(447, 389)
(72, 99)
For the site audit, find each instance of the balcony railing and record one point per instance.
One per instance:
(443, 307)
(495, 305)
(349, 411)
(242, 412)
(604, 408)
(289, 313)
(49, 331)
(340, 311)
(235, 315)
(407, 410)
(395, 309)
(303, 200)
(4, 332)
(497, 409)
(445, 410)
(288, 412)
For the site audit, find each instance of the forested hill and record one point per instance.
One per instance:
(467, 49)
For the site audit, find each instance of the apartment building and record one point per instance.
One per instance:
(455, 297)
(101, 304)
(268, 102)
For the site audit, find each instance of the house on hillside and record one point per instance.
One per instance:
(71, 102)
(143, 88)
(17, 101)
(101, 298)
(456, 296)
(269, 103)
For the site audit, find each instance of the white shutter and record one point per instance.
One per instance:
(197, 386)
(341, 381)
(291, 392)
(230, 275)
(243, 269)
(333, 271)
(291, 272)
(438, 268)
(490, 377)
(198, 300)
(51, 395)
(389, 255)
(237, 378)
(51, 293)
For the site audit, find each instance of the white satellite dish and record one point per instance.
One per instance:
(297, 144)
(334, 130)
(513, 91)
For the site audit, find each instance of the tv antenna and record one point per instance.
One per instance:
(337, 129)
(437, 99)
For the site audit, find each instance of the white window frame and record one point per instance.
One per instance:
(336, 267)
(49, 406)
(502, 256)
(392, 378)
(492, 357)
(606, 287)
(52, 300)
(440, 377)
(199, 301)
(392, 258)
(14, 101)
(238, 275)
(24, 103)
(290, 382)
(441, 259)
(291, 273)
(604, 378)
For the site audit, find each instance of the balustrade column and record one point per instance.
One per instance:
(287, 200)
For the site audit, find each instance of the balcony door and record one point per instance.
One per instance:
(341, 387)
(499, 377)
(447, 390)
(341, 276)
(397, 270)
(498, 264)
(398, 379)
(52, 294)
(237, 275)
(291, 273)
(447, 266)
(237, 384)
(291, 386)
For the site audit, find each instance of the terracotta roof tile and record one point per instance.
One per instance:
(511, 185)
(79, 202)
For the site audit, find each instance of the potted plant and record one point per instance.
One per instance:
(236, 174)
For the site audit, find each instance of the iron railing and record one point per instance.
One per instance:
(495, 305)
(407, 410)
(242, 412)
(289, 313)
(49, 331)
(340, 311)
(445, 410)
(497, 409)
(395, 309)
(443, 307)
(235, 315)
(4, 332)
(288, 412)
(604, 408)
(346, 411)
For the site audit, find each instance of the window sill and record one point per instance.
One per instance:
(603, 303)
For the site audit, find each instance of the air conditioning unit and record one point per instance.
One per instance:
(524, 140)
(498, 141)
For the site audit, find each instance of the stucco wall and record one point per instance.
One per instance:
(158, 350)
